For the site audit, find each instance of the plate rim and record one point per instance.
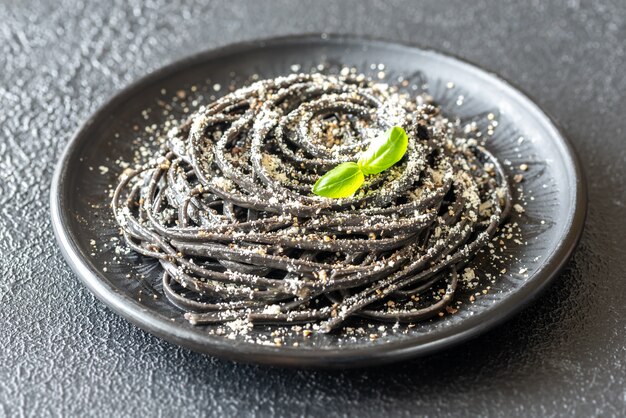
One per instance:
(367, 355)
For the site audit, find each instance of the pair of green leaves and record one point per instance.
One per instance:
(345, 179)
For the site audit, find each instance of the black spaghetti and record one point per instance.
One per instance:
(227, 209)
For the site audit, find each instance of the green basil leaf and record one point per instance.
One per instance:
(341, 181)
(384, 151)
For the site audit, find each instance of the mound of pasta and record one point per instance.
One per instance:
(228, 210)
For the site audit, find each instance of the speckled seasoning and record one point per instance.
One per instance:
(222, 198)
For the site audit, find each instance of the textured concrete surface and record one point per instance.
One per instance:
(63, 353)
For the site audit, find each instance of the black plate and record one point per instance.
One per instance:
(552, 222)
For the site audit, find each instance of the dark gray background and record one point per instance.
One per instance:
(63, 353)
